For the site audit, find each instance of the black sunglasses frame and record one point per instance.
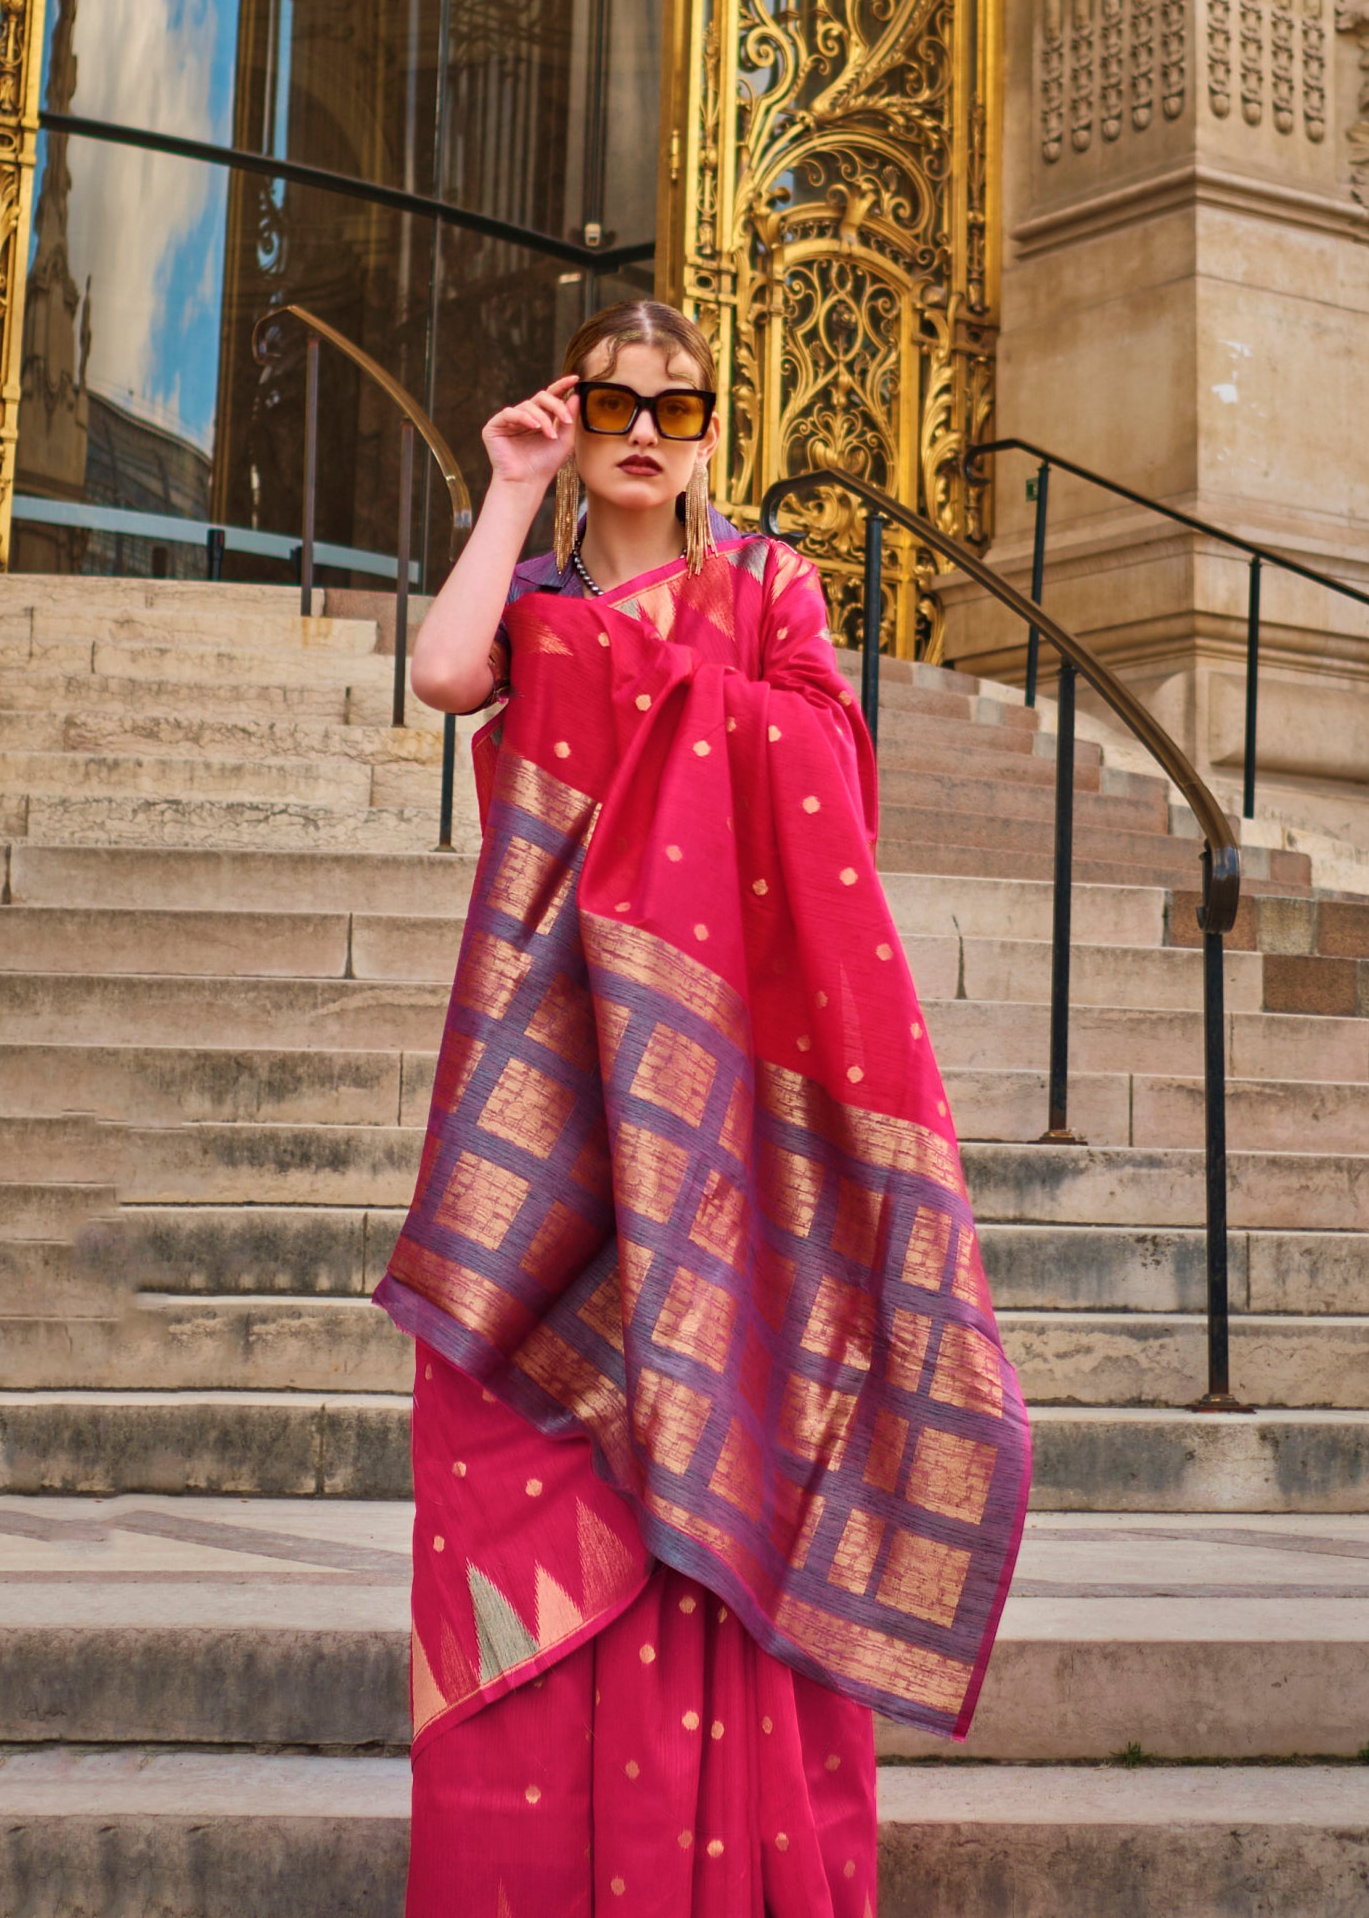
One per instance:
(643, 404)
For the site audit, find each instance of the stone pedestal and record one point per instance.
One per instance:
(1186, 309)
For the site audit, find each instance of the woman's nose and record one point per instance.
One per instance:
(644, 429)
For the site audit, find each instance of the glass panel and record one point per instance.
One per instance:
(163, 64)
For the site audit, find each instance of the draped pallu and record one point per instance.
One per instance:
(690, 1198)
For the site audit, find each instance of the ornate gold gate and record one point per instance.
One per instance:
(829, 214)
(21, 56)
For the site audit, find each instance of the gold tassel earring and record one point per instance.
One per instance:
(699, 540)
(567, 521)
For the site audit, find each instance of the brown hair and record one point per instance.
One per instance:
(641, 323)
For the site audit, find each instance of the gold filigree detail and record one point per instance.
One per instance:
(21, 56)
(833, 229)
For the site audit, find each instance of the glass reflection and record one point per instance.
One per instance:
(147, 271)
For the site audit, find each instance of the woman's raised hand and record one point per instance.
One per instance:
(528, 442)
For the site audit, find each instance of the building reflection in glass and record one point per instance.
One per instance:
(148, 269)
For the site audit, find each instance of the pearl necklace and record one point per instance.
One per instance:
(587, 579)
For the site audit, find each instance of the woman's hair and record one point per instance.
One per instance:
(641, 323)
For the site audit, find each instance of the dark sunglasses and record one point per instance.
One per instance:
(679, 415)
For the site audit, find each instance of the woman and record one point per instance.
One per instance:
(714, 1444)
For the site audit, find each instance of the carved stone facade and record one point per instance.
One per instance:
(21, 46)
(830, 219)
(1184, 304)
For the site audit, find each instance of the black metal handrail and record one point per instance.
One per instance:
(415, 421)
(1221, 867)
(1260, 557)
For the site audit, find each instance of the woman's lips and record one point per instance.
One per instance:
(638, 464)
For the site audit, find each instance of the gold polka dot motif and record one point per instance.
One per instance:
(848, 1870)
(687, 1605)
(701, 931)
(690, 1721)
(773, 733)
(847, 875)
(617, 1886)
(647, 1654)
(884, 952)
(533, 1488)
(562, 749)
(439, 1543)
(459, 1468)
(812, 803)
(803, 1042)
(533, 1794)
(760, 888)
(632, 1768)
(427, 1371)
(781, 1841)
(717, 1728)
(686, 1840)
(832, 1762)
(855, 1074)
(715, 1847)
(767, 1724)
(674, 855)
(702, 748)
(643, 702)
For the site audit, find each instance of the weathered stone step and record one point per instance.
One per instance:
(1191, 1638)
(329, 1344)
(238, 824)
(1014, 804)
(167, 1085)
(149, 733)
(1110, 1185)
(1203, 1842)
(342, 1251)
(345, 784)
(114, 1009)
(189, 627)
(175, 661)
(209, 880)
(1086, 1268)
(26, 689)
(317, 1837)
(1261, 870)
(356, 1445)
(37, 1209)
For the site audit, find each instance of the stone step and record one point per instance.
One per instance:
(203, 1622)
(187, 663)
(146, 733)
(331, 1344)
(169, 1085)
(209, 879)
(25, 689)
(425, 947)
(968, 798)
(344, 784)
(238, 824)
(319, 1837)
(342, 1251)
(375, 1165)
(114, 1009)
(188, 627)
(356, 1445)
(1332, 928)
(37, 1209)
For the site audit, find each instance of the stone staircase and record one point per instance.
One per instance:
(225, 948)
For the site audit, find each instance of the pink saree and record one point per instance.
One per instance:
(712, 1421)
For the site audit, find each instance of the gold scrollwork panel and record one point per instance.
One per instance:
(21, 59)
(829, 214)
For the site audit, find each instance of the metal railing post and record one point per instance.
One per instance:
(874, 609)
(444, 832)
(1043, 490)
(306, 566)
(1218, 1397)
(1058, 1128)
(1252, 685)
(214, 541)
(406, 514)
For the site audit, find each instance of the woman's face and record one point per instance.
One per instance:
(639, 469)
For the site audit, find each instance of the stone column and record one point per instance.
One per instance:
(1186, 309)
(21, 58)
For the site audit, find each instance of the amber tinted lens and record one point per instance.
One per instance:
(607, 409)
(681, 416)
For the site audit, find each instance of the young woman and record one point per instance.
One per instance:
(715, 1447)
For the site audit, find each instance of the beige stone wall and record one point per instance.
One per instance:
(1186, 309)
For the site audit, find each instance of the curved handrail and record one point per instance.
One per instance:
(457, 490)
(1222, 863)
(1263, 553)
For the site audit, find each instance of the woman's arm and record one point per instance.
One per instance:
(451, 667)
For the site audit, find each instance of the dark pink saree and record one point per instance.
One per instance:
(710, 1395)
